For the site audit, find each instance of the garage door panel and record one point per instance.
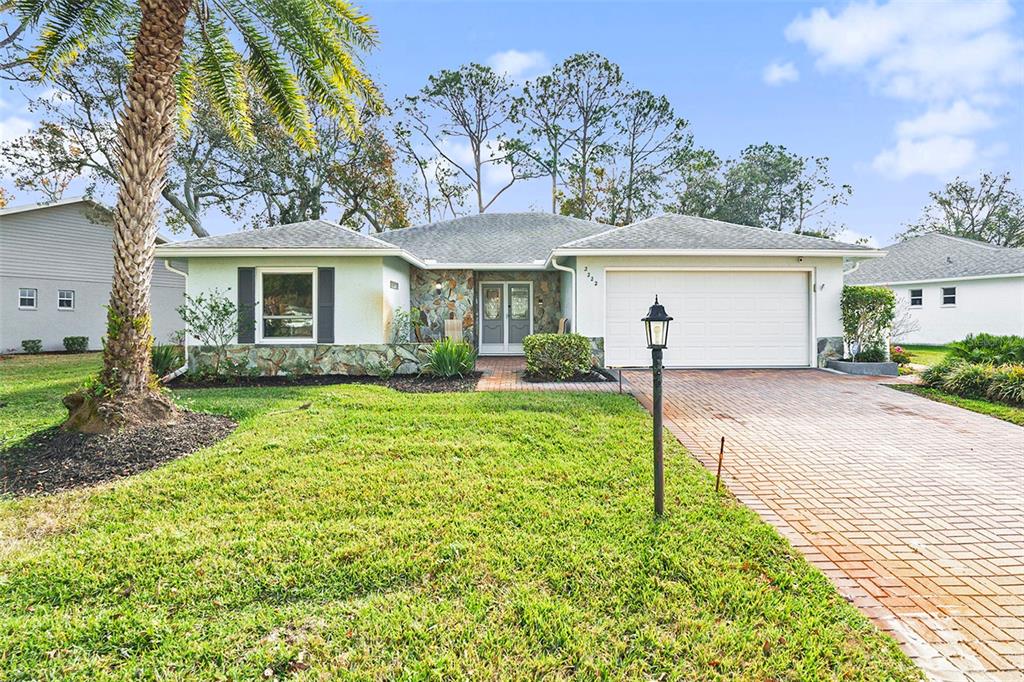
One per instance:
(722, 319)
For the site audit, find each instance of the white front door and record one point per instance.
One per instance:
(730, 318)
(506, 317)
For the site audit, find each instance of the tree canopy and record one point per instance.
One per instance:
(991, 211)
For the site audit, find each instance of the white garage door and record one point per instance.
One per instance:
(722, 318)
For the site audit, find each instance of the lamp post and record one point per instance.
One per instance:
(656, 325)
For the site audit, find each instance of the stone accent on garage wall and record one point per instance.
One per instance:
(455, 298)
(293, 360)
(829, 348)
(597, 350)
(547, 294)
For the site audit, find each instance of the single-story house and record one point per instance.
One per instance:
(951, 286)
(56, 266)
(316, 295)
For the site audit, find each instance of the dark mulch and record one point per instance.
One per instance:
(409, 383)
(54, 460)
(594, 376)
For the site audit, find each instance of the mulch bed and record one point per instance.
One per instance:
(408, 383)
(594, 376)
(53, 460)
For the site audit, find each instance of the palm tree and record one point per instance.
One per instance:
(288, 52)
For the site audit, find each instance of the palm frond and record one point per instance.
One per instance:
(72, 25)
(185, 82)
(220, 69)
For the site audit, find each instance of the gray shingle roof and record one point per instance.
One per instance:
(938, 256)
(310, 234)
(499, 238)
(670, 231)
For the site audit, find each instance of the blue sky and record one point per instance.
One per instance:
(901, 96)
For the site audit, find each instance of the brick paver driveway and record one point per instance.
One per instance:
(915, 509)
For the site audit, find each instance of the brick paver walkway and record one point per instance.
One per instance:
(506, 374)
(913, 508)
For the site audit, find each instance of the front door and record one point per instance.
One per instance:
(506, 317)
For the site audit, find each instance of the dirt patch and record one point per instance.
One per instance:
(409, 383)
(594, 376)
(54, 460)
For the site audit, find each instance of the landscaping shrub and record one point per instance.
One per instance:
(1007, 385)
(32, 345)
(165, 359)
(968, 380)
(868, 314)
(450, 358)
(936, 374)
(76, 344)
(898, 355)
(213, 319)
(557, 356)
(989, 348)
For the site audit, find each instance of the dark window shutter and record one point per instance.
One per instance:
(325, 305)
(246, 305)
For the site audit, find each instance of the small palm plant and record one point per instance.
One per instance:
(288, 52)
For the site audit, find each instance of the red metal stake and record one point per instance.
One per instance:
(721, 454)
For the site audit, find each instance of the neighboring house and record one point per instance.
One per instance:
(952, 286)
(56, 265)
(317, 296)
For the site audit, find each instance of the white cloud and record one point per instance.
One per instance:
(960, 118)
(848, 236)
(778, 73)
(940, 156)
(516, 64)
(13, 127)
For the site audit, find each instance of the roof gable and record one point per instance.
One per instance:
(939, 257)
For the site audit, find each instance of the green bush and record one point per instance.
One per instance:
(898, 355)
(968, 380)
(871, 354)
(76, 344)
(165, 359)
(936, 374)
(868, 314)
(989, 348)
(32, 345)
(450, 358)
(1007, 385)
(557, 356)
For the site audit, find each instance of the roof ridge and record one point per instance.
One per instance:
(967, 240)
(612, 228)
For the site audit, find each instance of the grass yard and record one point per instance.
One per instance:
(927, 355)
(1014, 415)
(382, 535)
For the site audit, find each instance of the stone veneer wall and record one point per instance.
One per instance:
(597, 350)
(287, 359)
(829, 348)
(547, 294)
(455, 298)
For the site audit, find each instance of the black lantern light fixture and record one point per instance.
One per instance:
(656, 326)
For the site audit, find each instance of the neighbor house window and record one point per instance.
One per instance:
(66, 299)
(287, 308)
(27, 299)
(948, 295)
(916, 298)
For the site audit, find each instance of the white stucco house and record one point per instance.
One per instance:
(56, 265)
(316, 296)
(952, 286)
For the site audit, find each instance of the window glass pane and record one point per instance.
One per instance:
(288, 304)
(519, 302)
(65, 298)
(492, 303)
(26, 298)
(948, 295)
(916, 296)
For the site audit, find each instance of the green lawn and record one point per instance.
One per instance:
(1008, 413)
(380, 535)
(927, 355)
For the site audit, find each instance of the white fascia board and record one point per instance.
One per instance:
(170, 251)
(1008, 275)
(802, 253)
(24, 208)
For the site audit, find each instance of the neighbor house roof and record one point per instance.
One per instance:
(310, 235)
(680, 233)
(498, 238)
(939, 257)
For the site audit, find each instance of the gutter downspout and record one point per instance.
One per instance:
(184, 368)
(572, 297)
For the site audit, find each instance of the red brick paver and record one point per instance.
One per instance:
(914, 509)
(506, 374)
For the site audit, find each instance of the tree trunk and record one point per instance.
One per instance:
(128, 395)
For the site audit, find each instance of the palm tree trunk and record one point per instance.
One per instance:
(145, 139)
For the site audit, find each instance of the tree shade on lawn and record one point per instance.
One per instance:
(380, 535)
(181, 46)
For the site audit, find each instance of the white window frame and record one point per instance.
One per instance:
(273, 340)
(35, 298)
(911, 297)
(66, 291)
(942, 292)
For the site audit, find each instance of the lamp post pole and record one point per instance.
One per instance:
(659, 464)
